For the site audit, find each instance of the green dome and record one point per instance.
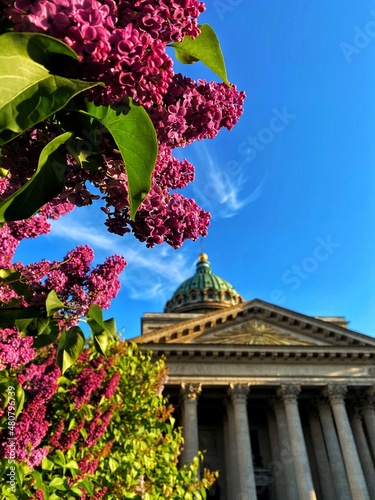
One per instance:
(203, 292)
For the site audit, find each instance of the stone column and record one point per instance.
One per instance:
(189, 394)
(276, 466)
(324, 470)
(232, 479)
(353, 467)
(238, 394)
(302, 470)
(286, 455)
(363, 451)
(334, 452)
(368, 412)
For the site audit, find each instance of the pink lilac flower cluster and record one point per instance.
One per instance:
(98, 495)
(74, 281)
(192, 111)
(120, 43)
(169, 172)
(111, 386)
(63, 441)
(20, 159)
(39, 380)
(36, 456)
(100, 282)
(31, 428)
(176, 220)
(38, 431)
(98, 425)
(15, 351)
(88, 464)
(162, 217)
(123, 43)
(89, 380)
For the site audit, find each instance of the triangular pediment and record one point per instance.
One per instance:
(257, 323)
(253, 332)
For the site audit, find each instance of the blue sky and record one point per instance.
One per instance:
(291, 187)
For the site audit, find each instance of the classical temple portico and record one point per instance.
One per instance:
(262, 432)
(282, 404)
(272, 461)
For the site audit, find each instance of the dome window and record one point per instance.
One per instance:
(226, 296)
(193, 296)
(179, 299)
(210, 294)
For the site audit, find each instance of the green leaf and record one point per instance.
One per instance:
(42, 326)
(72, 464)
(49, 336)
(47, 464)
(59, 459)
(100, 329)
(20, 475)
(135, 137)
(101, 342)
(8, 316)
(113, 465)
(76, 490)
(20, 397)
(205, 48)
(110, 326)
(72, 424)
(11, 389)
(47, 182)
(57, 481)
(33, 326)
(15, 281)
(88, 160)
(53, 303)
(70, 346)
(95, 321)
(84, 146)
(94, 318)
(38, 479)
(85, 483)
(31, 88)
(22, 325)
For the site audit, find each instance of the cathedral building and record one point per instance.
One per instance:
(282, 404)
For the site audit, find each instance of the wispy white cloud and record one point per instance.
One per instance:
(223, 187)
(150, 274)
(83, 234)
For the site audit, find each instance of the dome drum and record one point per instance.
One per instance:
(203, 292)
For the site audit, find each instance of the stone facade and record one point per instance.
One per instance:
(282, 403)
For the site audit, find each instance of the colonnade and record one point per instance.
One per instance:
(341, 439)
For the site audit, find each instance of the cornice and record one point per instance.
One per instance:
(188, 330)
(290, 354)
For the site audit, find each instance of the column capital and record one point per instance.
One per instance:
(335, 392)
(288, 392)
(190, 392)
(238, 392)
